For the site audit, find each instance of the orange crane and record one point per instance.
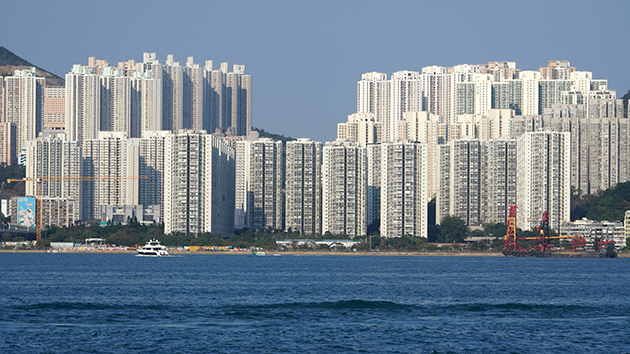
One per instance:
(39, 180)
(510, 236)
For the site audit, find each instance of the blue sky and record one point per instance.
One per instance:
(305, 57)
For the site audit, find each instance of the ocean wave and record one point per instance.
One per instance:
(332, 305)
(89, 306)
(477, 309)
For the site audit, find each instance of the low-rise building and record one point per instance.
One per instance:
(122, 213)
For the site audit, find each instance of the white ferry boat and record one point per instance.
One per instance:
(153, 248)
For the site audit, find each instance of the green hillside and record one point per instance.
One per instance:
(609, 205)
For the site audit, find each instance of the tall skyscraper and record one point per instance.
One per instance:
(198, 184)
(543, 182)
(404, 193)
(303, 187)
(344, 189)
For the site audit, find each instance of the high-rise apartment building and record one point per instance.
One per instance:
(196, 97)
(83, 104)
(24, 105)
(264, 187)
(198, 184)
(530, 92)
(53, 155)
(404, 189)
(373, 184)
(172, 95)
(8, 140)
(116, 102)
(388, 100)
(422, 127)
(114, 156)
(146, 103)
(193, 96)
(477, 180)
(508, 94)
(344, 189)
(543, 182)
(461, 177)
(500, 70)
(405, 96)
(362, 128)
(498, 180)
(54, 108)
(557, 70)
(495, 124)
(373, 96)
(483, 92)
(600, 141)
(303, 187)
(151, 164)
(437, 91)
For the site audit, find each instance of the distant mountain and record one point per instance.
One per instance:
(10, 62)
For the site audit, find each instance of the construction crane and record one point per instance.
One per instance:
(38, 194)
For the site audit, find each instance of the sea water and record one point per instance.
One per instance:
(120, 303)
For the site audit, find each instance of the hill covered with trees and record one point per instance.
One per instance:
(609, 205)
(264, 134)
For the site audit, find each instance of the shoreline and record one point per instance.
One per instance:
(295, 253)
(278, 253)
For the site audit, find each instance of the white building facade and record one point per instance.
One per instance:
(543, 178)
(198, 184)
(303, 201)
(344, 185)
(404, 189)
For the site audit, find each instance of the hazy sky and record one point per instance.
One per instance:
(305, 57)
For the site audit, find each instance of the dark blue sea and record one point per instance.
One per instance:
(120, 303)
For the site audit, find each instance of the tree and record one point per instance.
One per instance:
(453, 229)
(434, 233)
(496, 230)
